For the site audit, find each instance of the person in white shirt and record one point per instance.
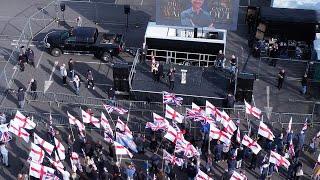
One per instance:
(76, 82)
(65, 174)
(4, 153)
(3, 118)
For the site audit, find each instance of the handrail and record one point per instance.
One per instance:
(133, 68)
(202, 58)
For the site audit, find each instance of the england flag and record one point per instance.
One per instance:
(265, 131)
(174, 115)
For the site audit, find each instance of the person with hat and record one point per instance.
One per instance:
(233, 63)
(21, 97)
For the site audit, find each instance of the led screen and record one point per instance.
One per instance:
(222, 14)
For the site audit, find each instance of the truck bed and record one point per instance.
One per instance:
(104, 38)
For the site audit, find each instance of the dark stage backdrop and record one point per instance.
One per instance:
(214, 13)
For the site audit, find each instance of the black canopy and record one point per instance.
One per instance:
(289, 15)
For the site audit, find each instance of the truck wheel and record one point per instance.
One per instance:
(56, 52)
(106, 56)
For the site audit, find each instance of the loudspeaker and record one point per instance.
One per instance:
(195, 32)
(120, 71)
(126, 9)
(62, 7)
(121, 77)
(245, 82)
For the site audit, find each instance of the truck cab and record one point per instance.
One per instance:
(83, 40)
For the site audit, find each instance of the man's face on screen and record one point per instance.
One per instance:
(197, 4)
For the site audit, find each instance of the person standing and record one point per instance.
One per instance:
(21, 97)
(130, 171)
(30, 56)
(71, 67)
(21, 62)
(33, 88)
(3, 118)
(4, 154)
(220, 59)
(79, 21)
(90, 79)
(76, 83)
(171, 75)
(233, 63)
(63, 72)
(281, 76)
(304, 84)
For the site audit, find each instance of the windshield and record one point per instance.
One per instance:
(64, 35)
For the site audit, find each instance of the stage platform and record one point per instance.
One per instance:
(202, 83)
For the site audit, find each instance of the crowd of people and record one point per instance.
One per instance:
(167, 149)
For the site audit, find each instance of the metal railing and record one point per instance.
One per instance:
(133, 68)
(186, 58)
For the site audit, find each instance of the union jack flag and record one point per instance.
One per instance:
(170, 98)
(172, 159)
(110, 109)
(187, 148)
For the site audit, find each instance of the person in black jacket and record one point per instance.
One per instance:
(33, 88)
(281, 76)
(304, 84)
(171, 76)
(21, 97)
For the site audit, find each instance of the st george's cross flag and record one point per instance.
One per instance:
(60, 148)
(124, 128)
(251, 144)
(57, 163)
(75, 121)
(5, 136)
(173, 135)
(238, 137)
(278, 160)
(18, 131)
(170, 98)
(121, 150)
(41, 172)
(111, 108)
(265, 131)
(89, 118)
(227, 122)
(237, 176)
(197, 109)
(252, 110)
(172, 114)
(202, 176)
(220, 135)
(23, 121)
(46, 146)
(36, 154)
(172, 158)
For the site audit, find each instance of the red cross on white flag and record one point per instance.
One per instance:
(202, 176)
(60, 148)
(173, 135)
(279, 160)
(23, 121)
(57, 163)
(251, 144)
(88, 118)
(36, 154)
(46, 146)
(159, 119)
(19, 131)
(237, 176)
(265, 131)
(172, 114)
(252, 110)
(39, 171)
(223, 136)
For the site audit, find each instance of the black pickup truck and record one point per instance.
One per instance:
(83, 40)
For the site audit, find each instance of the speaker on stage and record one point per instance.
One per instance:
(195, 32)
(245, 84)
(126, 9)
(121, 77)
